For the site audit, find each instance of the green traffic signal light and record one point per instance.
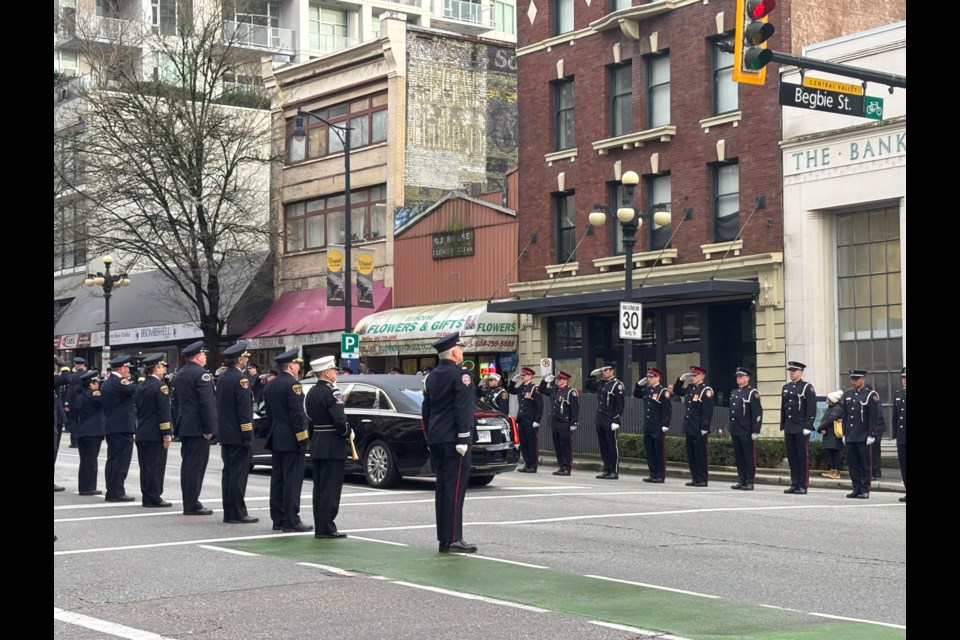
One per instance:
(756, 58)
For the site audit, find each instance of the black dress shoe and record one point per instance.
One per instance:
(690, 484)
(699, 484)
(562, 472)
(800, 490)
(91, 492)
(853, 494)
(277, 527)
(157, 505)
(790, 490)
(747, 487)
(298, 528)
(613, 476)
(123, 498)
(460, 546)
(243, 520)
(202, 511)
(863, 496)
(57, 487)
(656, 480)
(646, 479)
(737, 486)
(335, 534)
(902, 499)
(603, 476)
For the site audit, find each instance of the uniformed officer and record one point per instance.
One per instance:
(234, 433)
(697, 417)
(61, 380)
(196, 424)
(529, 413)
(329, 446)
(900, 427)
(287, 442)
(657, 411)
(490, 390)
(746, 418)
(119, 422)
(798, 409)
(87, 407)
(79, 368)
(564, 413)
(610, 394)
(450, 429)
(256, 383)
(154, 430)
(861, 421)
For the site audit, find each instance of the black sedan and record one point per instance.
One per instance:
(384, 413)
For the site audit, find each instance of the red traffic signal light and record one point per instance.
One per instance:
(752, 32)
(757, 9)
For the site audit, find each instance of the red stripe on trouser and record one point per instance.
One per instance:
(806, 470)
(456, 497)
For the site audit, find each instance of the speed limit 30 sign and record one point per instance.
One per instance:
(631, 320)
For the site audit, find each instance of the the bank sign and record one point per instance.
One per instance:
(840, 153)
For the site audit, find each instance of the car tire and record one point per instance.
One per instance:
(480, 481)
(380, 466)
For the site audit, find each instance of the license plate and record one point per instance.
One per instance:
(483, 436)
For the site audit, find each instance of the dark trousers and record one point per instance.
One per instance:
(57, 434)
(858, 463)
(119, 454)
(902, 457)
(453, 471)
(529, 445)
(194, 455)
(72, 425)
(797, 444)
(153, 465)
(745, 456)
(609, 453)
(327, 487)
(875, 458)
(233, 480)
(286, 481)
(835, 459)
(697, 457)
(562, 439)
(89, 449)
(653, 447)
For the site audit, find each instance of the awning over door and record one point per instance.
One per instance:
(413, 330)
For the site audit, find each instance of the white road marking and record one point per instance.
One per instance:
(653, 586)
(225, 550)
(623, 627)
(522, 564)
(339, 572)
(103, 626)
(397, 544)
(882, 624)
(470, 596)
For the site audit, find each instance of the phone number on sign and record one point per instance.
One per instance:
(491, 344)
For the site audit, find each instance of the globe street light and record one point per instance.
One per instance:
(108, 281)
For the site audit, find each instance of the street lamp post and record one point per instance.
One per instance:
(344, 135)
(108, 281)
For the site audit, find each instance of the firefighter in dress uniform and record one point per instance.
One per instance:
(329, 446)
(119, 425)
(861, 426)
(529, 413)
(697, 417)
(900, 427)
(154, 430)
(235, 433)
(609, 392)
(657, 411)
(489, 389)
(197, 425)
(798, 409)
(746, 418)
(87, 408)
(564, 413)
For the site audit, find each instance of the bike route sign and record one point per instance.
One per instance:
(795, 95)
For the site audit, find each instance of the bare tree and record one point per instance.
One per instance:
(175, 174)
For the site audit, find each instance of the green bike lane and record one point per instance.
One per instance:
(680, 614)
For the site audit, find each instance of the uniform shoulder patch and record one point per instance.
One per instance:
(124, 381)
(95, 393)
(164, 389)
(573, 392)
(466, 379)
(244, 383)
(297, 389)
(206, 377)
(338, 396)
(708, 393)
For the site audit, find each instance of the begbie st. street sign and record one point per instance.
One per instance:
(795, 95)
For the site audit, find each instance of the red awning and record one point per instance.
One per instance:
(307, 312)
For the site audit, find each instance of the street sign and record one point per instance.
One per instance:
(873, 108)
(546, 366)
(832, 85)
(350, 345)
(631, 320)
(794, 95)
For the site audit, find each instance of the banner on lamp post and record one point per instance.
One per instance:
(335, 276)
(365, 280)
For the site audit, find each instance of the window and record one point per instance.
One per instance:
(658, 82)
(621, 96)
(658, 188)
(616, 5)
(504, 17)
(67, 156)
(681, 326)
(568, 335)
(562, 16)
(164, 68)
(171, 17)
(256, 21)
(65, 62)
(566, 206)
(69, 238)
(361, 397)
(617, 193)
(316, 223)
(328, 29)
(724, 88)
(367, 116)
(564, 114)
(726, 202)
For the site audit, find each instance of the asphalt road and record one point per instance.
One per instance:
(559, 557)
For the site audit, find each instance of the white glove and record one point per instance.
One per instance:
(664, 429)
(595, 373)
(550, 378)
(642, 382)
(516, 378)
(806, 432)
(870, 440)
(353, 435)
(615, 426)
(754, 436)
(844, 439)
(536, 425)
(573, 427)
(685, 376)
(462, 449)
(703, 433)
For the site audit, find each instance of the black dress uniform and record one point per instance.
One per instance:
(798, 409)
(79, 368)
(697, 417)
(609, 412)
(900, 427)
(861, 420)
(328, 449)
(529, 414)
(287, 442)
(152, 400)
(61, 379)
(746, 419)
(497, 397)
(196, 426)
(119, 422)
(87, 405)
(235, 433)
(564, 413)
(657, 411)
(448, 422)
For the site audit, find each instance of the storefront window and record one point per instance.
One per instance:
(682, 326)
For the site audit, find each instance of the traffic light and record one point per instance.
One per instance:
(750, 51)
